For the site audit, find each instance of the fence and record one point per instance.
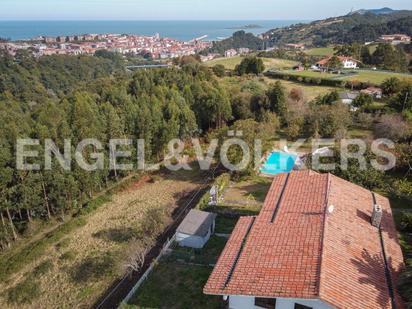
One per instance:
(148, 271)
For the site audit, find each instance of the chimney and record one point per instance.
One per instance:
(376, 216)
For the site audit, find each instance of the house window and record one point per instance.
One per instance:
(299, 306)
(268, 303)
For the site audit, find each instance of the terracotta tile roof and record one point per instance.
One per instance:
(297, 248)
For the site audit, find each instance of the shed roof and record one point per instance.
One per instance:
(196, 222)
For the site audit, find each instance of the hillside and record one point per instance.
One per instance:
(239, 39)
(357, 26)
(381, 11)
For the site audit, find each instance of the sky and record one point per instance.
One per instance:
(186, 9)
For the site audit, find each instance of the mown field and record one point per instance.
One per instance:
(270, 63)
(73, 266)
(376, 77)
(321, 51)
(309, 91)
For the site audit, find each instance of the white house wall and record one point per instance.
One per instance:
(192, 241)
(246, 302)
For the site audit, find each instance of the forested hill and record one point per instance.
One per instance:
(28, 79)
(360, 26)
(70, 97)
(239, 39)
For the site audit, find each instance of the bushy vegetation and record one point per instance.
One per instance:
(250, 65)
(63, 97)
(239, 39)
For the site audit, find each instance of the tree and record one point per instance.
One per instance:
(219, 70)
(334, 63)
(277, 100)
(327, 99)
(393, 127)
(250, 65)
(391, 86)
(260, 105)
(241, 106)
(366, 56)
(327, 120)
(363, 100)
(390, 58)
(402, 102)
(135, 256)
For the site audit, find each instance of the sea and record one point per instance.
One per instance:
(181, 30)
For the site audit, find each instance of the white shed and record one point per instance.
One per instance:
(196, 229)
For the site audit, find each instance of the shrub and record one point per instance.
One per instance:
(24, 292)
(219, 70)
(363, 120)
(403, 188)
(92, 268)
(67, 256)
(43, 268)
(222, 181)
(405, 285)
(405, 222)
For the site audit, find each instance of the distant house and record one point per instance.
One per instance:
(319, 242)
(374, 92)
(196, 229)
(49, 39)
(299, 67)
(61, 39)
(243, 51)
(295, 46)
(395, 39)
(230, 53)
(347, 63)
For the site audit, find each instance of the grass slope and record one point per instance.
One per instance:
(270, 63)
(83, 257)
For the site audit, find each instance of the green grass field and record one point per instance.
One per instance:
(270, 63)
(309, 91)
(322, 51)
(367, 76)
(376, 77)
(176, 285)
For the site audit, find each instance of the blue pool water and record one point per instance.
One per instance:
(279, 162)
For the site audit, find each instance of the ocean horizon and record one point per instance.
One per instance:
(178, 29)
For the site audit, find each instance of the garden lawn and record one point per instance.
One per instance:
(178, 280)
(174, 285)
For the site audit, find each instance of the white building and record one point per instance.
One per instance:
(196, 229)
(230, 53)
(347, 63)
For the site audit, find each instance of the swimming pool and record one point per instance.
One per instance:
(279, 162)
